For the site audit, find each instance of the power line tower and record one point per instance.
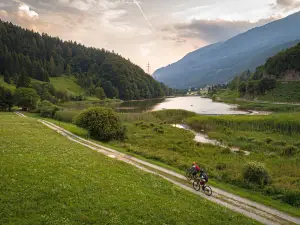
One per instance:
(148, 68)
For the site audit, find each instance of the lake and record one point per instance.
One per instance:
(192, 103)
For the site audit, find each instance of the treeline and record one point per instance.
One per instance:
(265, 77)
(250, 84)
(285, 60)
(26, 54)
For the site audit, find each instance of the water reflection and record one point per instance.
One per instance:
(195, 104)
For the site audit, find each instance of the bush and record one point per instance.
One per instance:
(289, 151)
(292, 198)
(268, 140)
(66, 116)
(214, 98)
(255, 172)
(102, 123)
(47, 109)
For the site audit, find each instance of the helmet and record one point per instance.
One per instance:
(194, 163)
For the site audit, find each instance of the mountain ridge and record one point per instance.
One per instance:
(219, 62)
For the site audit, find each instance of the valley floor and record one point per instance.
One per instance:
(248, 208)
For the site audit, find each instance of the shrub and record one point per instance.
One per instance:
(268, 140)
(292, 198)
(297, 144)
(255, 172)
(102, 123)
(289, 151)
(47, 109)
(214, 98)
(279, 143)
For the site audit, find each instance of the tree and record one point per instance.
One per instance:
(109, 89)
(68, 70)
(6, 99)
(100, 93)
(47, 109)
(102, 123)
(26, 98)
(23, 80)
(6, 77)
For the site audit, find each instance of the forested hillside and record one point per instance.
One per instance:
(25, 54)
(278, 79)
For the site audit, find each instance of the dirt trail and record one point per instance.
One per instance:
(259, 212)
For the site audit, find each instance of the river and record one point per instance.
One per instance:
(191, 103)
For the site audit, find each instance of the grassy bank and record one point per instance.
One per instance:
(54, 181)
(232, 97)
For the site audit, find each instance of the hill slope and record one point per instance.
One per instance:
(218, 63)
(277, 80)
(26, 53)
(65, 183)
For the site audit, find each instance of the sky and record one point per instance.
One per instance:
(156, 31)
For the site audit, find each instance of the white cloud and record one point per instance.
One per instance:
(3, 14)
(24, 10)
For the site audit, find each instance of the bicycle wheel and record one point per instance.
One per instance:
(188, 175)
(207, 190)
(196, 185)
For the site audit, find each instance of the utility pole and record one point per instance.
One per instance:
(148, 68)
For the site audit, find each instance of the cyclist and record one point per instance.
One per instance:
(195, 169)
(203, 177)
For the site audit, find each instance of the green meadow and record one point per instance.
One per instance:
(46, 179)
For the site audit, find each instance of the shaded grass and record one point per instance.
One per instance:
(6, 85)
(54, 181)
(66, 84)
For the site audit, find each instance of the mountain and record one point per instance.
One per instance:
(220, 62)
(25, 54)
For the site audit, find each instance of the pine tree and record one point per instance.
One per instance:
(6, 77)
(23, 80)
(52, 66)
(68, 70)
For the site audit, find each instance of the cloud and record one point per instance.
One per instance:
(212, 31)
(25, 11)
(3, 14)
(286, 5)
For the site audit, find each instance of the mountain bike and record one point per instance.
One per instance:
(189, 174)
(199, 183)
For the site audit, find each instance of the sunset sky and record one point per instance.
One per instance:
(155, 31)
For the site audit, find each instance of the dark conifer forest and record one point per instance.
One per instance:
(25, 54)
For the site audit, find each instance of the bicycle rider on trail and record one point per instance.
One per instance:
(196, 168)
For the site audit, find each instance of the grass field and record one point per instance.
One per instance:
(66, 83)
(46, 179)
(175, 149)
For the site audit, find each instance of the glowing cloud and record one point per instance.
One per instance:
(24, 10)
